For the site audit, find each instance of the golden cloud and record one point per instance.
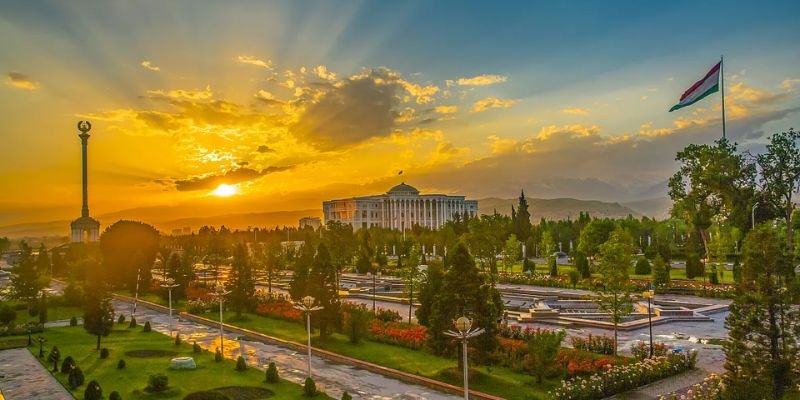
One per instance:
(21, 81)
(501, 145)
(479, 80)
(576, 130)
(575, 111)
(254, 61)
(648, 131)
(322, 72)
(148, 65)
(789, 83)
(192, 94)
(492, 102)
(445, 109)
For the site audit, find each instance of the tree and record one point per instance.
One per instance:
(54, 357)
(642, 266)
(486, 238)
(615, 259)
(241, 283)
(694, 266)
(574, 277)
(582, 265)
(553, 261)
(763, 325)
(272, 263)
(93, 391)
(356, 322)
(411, 276)
(464, 292)
(43, 265)
(25, 279)
(322, 286)
(59, 265)
(340, 243)
(543, 346)
(511, 252)
(780, 177)
(712, 182)
(547, 247)
(661, 269)
(98, 313)
(127, 246)
(522, 219)
(593, 234)
(299, 286)
(430, 286)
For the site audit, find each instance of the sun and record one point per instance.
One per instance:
(225, 190)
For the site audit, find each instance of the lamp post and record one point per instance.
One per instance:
(649, 295)
(136, 294)
(307, 306)
(170, 284)
(41, 341)
(464, 331)
(220, 293)
(376, 275)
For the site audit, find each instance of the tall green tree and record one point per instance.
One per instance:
(126, 247)
(547, 247)
(543, 346)
(616, 256)
(299, 285)
(412, 277)
(429, 287)
(780, 177)
(763, 324)
(594, 234)
(43, 265)
(522, 219)
(713, 182)
(486, 238)
(464, 291)
(322, 286)
(241, 282)
(511, 252)
(661, 272)
(25, 279)
(582, 265)
(98, 313)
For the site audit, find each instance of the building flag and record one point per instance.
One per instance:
(712, 82)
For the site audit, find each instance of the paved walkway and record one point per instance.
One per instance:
(677, 383)
(333, 378)
(23, 378)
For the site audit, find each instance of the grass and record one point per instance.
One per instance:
(131, 381)
(54, 313)
(499, 381)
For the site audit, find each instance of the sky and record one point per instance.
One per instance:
(210, 107)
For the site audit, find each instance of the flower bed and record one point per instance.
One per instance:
(712, 388)
(280, 309)
(410, 336)
(621, 378)
(594, 344)
(579, 363)
(641, 350)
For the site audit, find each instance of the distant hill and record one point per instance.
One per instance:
(657, 207)
(553, 209)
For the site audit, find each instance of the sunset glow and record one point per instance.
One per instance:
(225, 190)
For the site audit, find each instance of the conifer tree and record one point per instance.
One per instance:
(322, 286)
(661, 276)
(241, 282)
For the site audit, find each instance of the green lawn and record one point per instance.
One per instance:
(130, 382)
(54, 313)
(499, 381)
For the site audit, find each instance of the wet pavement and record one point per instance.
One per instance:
(22, 377)
(332, 378)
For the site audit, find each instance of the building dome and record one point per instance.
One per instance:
(403, 189)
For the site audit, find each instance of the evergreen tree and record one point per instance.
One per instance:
(615, 259)
(241, 282)
(553, 267)
(661, 270)
(511, 252)
(25, 280)
(763, 325)
(430, 287)
(464, 292)
(642, 266)
(59, 265)
(522, 219)
(98, 313)
(298, 287)
(582, 265)
(322, 286)
(543, 347)
(43, 266)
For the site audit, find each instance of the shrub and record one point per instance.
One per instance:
(309, 388)
(198, 306)
(73, 321)
(73, 295)
(241, 365)
(218, 355)
(641, 349)
(386, 315)
(104, 353)
(121, 364)
(147, 327)
(196, 348)
(272, 373)
(410, 336)
(157, 383)
(121, 319)
(594, 344)
(7, 315)
(574, 277)
(346, 396)
(356, 322)
(67, 365)
(133, 323)
(642, 267)
(114, 396)
(75, 378)
(178, 339)
(93, 391)
(280, 309)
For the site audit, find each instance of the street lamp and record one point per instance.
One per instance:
(136, 294)
(170, 284)
(648, 294)
(753, 215)
(306, 305)
(376, 275)
(220, 293)
(464, 332)
(41, 341)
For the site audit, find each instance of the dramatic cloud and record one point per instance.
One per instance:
(357, 109)
(254, 61)
(192, 94)
(21, 81)
(480, 80)
(445, 109)
(575, 111)
(265, 149)
(233, 176)
(148, 65)
(492, 102)
(322, 72)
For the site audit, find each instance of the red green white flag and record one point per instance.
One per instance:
(702, 88)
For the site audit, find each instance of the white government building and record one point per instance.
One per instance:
(401, 207)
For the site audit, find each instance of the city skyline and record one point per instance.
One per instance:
(267, 107)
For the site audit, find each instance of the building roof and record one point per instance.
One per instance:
(402, 188)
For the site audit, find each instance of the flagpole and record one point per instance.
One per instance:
(722, 90)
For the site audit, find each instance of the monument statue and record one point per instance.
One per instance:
(85, 228)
